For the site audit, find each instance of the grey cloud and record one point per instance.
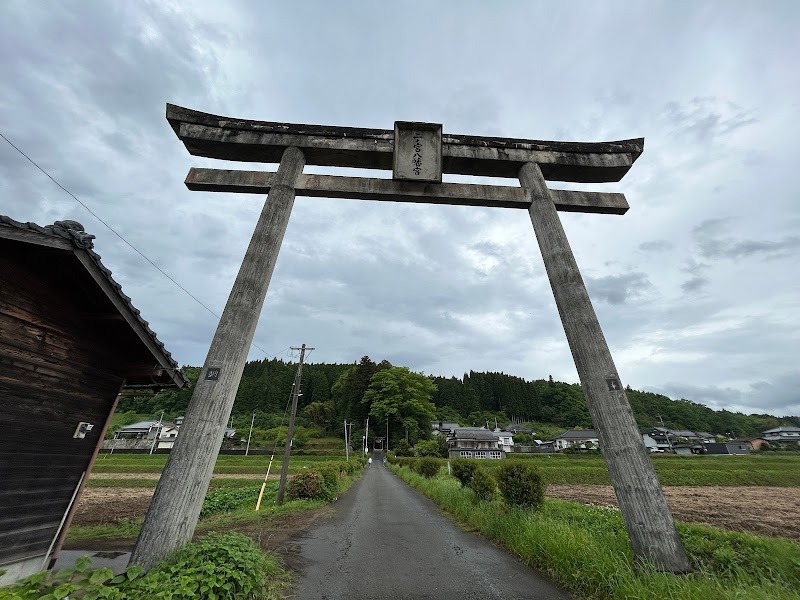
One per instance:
(710, 239)
(695, 284)
(618, 289)
(711, 395)
(778, 396)
(442, 288)
(706, 118)
(656, 246)
(698, 280)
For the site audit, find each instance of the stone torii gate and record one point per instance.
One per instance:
(417, 154)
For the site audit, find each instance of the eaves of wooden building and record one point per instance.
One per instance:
(70, 341)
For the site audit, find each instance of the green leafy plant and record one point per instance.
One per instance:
(229, 566)
(430, 448)
(402, 448)
(330, 475)
(520, 484)
(427, 467)
(463, 470)
(309, 485)
(482, 484)
(227, 499)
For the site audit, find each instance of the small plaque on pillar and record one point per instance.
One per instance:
(613, 384)
(417, 151)
(212, 373)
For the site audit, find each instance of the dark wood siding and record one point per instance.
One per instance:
(56, 369)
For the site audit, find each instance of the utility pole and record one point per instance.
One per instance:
(158, 432)
(366, 438)
(249, 437)
(288, 449)
(387, 435)
(666, 434)
(346, 443)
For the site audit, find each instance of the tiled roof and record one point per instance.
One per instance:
(582, 434)
(473, 433)
(75, 233)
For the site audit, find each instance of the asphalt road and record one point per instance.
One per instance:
(388, 542)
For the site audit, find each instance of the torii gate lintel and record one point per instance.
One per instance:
(418, 154)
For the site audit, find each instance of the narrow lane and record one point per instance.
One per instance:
(388, 542)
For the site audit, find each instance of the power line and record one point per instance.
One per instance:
(134, 248)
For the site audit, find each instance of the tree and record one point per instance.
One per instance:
(398, 395)
(320, 414)
(448, 414)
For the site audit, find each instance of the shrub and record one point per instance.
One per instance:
(428, 448)
(521, 485)
(463, 470)
(330, 475)
(227, 499)
(402, 448)
(427, 467)
(218, 566)
(308, 485)
(483, 484)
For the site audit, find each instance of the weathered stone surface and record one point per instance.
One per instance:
(417, 152)
(178, 499)
(644, 508)
(363, 188)
(213, 136)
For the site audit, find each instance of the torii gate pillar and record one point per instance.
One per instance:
(641, 500)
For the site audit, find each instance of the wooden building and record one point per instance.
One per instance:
(70, 341)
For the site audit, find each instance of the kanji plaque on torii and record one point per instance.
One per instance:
(418, 154)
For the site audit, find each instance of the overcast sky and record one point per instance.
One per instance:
(697, 287)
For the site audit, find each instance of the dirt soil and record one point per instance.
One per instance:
(100, 506)
(771, 511)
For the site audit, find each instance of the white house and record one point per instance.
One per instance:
(782, 434)
(576, 438)
(505, 440)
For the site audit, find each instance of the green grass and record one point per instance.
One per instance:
(752, 470)
(228, 502)
(586, 550)
(135, 482)
(226, 464)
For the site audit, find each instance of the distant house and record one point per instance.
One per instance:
(441, 428)
(688, 449)
(649, 442)
(505, 440)
(70, 341)
(474, 442)
(684, 434)
(755, 443)
(148, 430)
(576, 438)
(705, 437)
(782, 435)
(515, 428)
(735, 447)
(660, 435)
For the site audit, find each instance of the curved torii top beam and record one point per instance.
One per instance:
(244, 140)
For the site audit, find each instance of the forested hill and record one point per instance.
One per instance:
(332, 392)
